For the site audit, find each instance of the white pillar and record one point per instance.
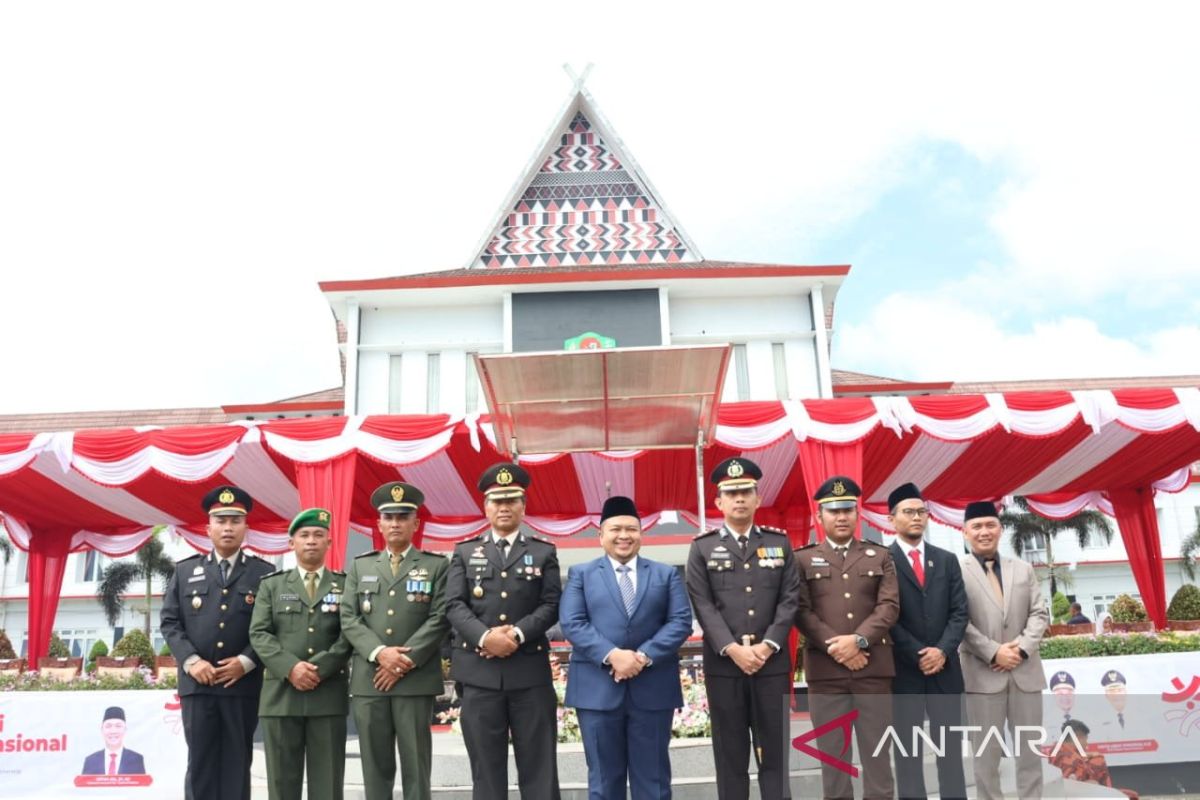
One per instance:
(824, 372)
(664, 315)
(353, 317)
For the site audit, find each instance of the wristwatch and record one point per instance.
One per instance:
(861, 641)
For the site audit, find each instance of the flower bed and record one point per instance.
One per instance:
(1119, 645)
(141, 678)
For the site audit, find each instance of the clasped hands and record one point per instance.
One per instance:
(750, 658)
(227, 672)
(499, 642)
(394, 664)
(1008, 657)
(844, 649)
(626, 664)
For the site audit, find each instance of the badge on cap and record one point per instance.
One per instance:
(226, 497)
(839, 488)
(504, 477)
(735, 470)
(397, 493)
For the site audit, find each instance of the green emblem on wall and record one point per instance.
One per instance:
(589, 341)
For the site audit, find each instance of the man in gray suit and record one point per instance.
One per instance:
(1002, 671)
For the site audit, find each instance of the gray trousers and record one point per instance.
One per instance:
(994, 713)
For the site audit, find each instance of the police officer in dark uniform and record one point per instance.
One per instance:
(395, 616)
(502, 596)
(744, 588)
(206, 621)
(849, 600)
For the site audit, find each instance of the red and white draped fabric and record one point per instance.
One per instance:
(1066, 451)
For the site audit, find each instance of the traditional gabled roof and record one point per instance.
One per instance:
(583, 200)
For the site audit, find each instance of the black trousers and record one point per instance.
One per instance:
(943, 710)
(219, 731)
(735, 703)
(531, 715)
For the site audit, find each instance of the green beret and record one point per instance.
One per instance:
(310, 518)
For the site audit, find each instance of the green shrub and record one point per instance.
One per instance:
(98, 649)
(1186, 603)
(1118, 645)
(135, 645)
(1126, 609)
(58, 648)
(6, 648)
(1060, 608)
(166, 650)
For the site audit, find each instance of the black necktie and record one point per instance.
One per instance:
(741, 540)
(503, 545)
(224, 571)
(1121, 719)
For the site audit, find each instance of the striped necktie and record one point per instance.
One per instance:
(625, 583)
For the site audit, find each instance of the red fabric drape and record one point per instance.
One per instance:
(820, 461)
(1134, 510)
(330, 485)
(48, 551)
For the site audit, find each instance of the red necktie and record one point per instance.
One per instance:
(112, 763)
(918, 570)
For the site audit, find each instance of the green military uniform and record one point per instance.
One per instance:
(302, 727)
(406, 609)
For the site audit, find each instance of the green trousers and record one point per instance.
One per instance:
(391, 725)
(294, 743)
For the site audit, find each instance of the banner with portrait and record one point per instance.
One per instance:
(126, 744)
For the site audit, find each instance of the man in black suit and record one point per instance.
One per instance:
(115, 758)
(933, 618)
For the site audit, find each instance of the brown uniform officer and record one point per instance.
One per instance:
(849, 599)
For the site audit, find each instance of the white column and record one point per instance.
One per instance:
(508, 323)
(821, 342)
(664, 315)
(353, 318)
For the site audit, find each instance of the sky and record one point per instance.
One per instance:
(1014, 187)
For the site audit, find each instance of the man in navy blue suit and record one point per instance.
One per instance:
(626, 618)
(933, 619)
(115, 758)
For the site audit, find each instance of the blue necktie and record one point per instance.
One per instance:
(626, 585)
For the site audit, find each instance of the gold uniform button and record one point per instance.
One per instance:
(220, 624)
(850, 616)
(503, 574)
(503, 617)
(845, 576)
(391, 611)
(870, 573)
(220, 644)
(392, 593)
(224, 607)
(388, 631)
(883, 641)
(312, 630)
(503, 594)
(310, 651)
(751, 612)
(539, 648)
(746, 566)
(749, 589)
(847, 594)
(312, 611)
(224, 591)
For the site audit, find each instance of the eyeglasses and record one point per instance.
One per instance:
(915, 513)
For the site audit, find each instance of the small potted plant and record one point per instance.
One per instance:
(1183, 614)
(1129, 616)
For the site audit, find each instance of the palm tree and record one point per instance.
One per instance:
(6, 548)
(117, 577)
(1189, 550)
(1025, 526)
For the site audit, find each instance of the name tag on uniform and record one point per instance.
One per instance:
(195, 578)
(369, 578)
(476, 562)
(289, 597)
(819, 562)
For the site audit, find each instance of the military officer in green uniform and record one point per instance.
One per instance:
(395, 619)
(296, 630)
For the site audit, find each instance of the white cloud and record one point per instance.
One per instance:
(953, 336)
